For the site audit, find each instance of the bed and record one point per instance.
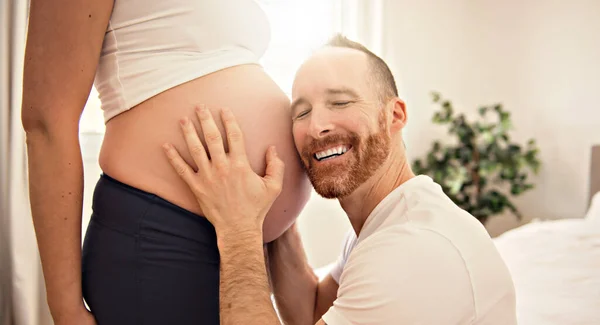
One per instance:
(556, 265)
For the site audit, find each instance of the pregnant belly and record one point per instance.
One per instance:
(131, 151)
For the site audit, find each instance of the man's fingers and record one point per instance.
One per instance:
(212, 136)
(274, 171)
(179, 165)
(235, 138)
(194, 144)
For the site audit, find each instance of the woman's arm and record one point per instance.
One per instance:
(64, 40)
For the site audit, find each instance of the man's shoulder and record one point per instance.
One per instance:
(426, 202)
(399, 245)
(422, 224)
(398, 262)
(420, 221)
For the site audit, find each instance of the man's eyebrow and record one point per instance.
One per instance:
(342, 91)
(297, 103)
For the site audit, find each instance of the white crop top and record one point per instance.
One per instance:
(151, 46)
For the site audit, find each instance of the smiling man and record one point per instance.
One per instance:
(413, 257)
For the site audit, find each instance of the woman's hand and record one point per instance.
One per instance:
(231, 195)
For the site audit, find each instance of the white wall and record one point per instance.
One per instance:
(539, 58)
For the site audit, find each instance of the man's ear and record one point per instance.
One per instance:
(399, 118)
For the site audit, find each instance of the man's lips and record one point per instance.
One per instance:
(331, 152)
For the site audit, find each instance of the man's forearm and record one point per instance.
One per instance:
(294, 283)
(244, 289)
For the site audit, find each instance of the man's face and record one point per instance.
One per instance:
(339, 124)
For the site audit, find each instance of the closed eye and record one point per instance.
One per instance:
(302, 114)
(340, 104)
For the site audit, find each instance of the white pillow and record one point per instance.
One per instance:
(594, 210)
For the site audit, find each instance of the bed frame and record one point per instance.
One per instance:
(595, 171)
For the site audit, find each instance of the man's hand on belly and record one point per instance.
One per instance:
(235, 200)
(233, 197)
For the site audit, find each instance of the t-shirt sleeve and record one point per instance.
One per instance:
(404, 277)
(338, 266)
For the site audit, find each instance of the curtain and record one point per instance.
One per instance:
(5, 265)
(23, 298)
(362, 21)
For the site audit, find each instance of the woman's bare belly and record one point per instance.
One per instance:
(131, 151)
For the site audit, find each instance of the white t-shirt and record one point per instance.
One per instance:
(420, 259)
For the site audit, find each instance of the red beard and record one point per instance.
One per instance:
(337, 180)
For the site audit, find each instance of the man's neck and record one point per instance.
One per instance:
(359, 205)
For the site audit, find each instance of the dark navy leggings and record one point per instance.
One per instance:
(147, 261)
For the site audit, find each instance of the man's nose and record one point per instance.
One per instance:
(320, 124)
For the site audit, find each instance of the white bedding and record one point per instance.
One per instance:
(556, 270)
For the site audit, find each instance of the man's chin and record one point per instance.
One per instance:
(331, 187)
(329, 192)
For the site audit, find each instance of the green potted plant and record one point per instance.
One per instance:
(483, 168)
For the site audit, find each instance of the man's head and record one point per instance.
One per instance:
(346, 115)
(378, 73)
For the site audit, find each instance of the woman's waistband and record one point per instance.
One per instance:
(130, 210)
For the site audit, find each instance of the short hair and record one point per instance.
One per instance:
(380, 72)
